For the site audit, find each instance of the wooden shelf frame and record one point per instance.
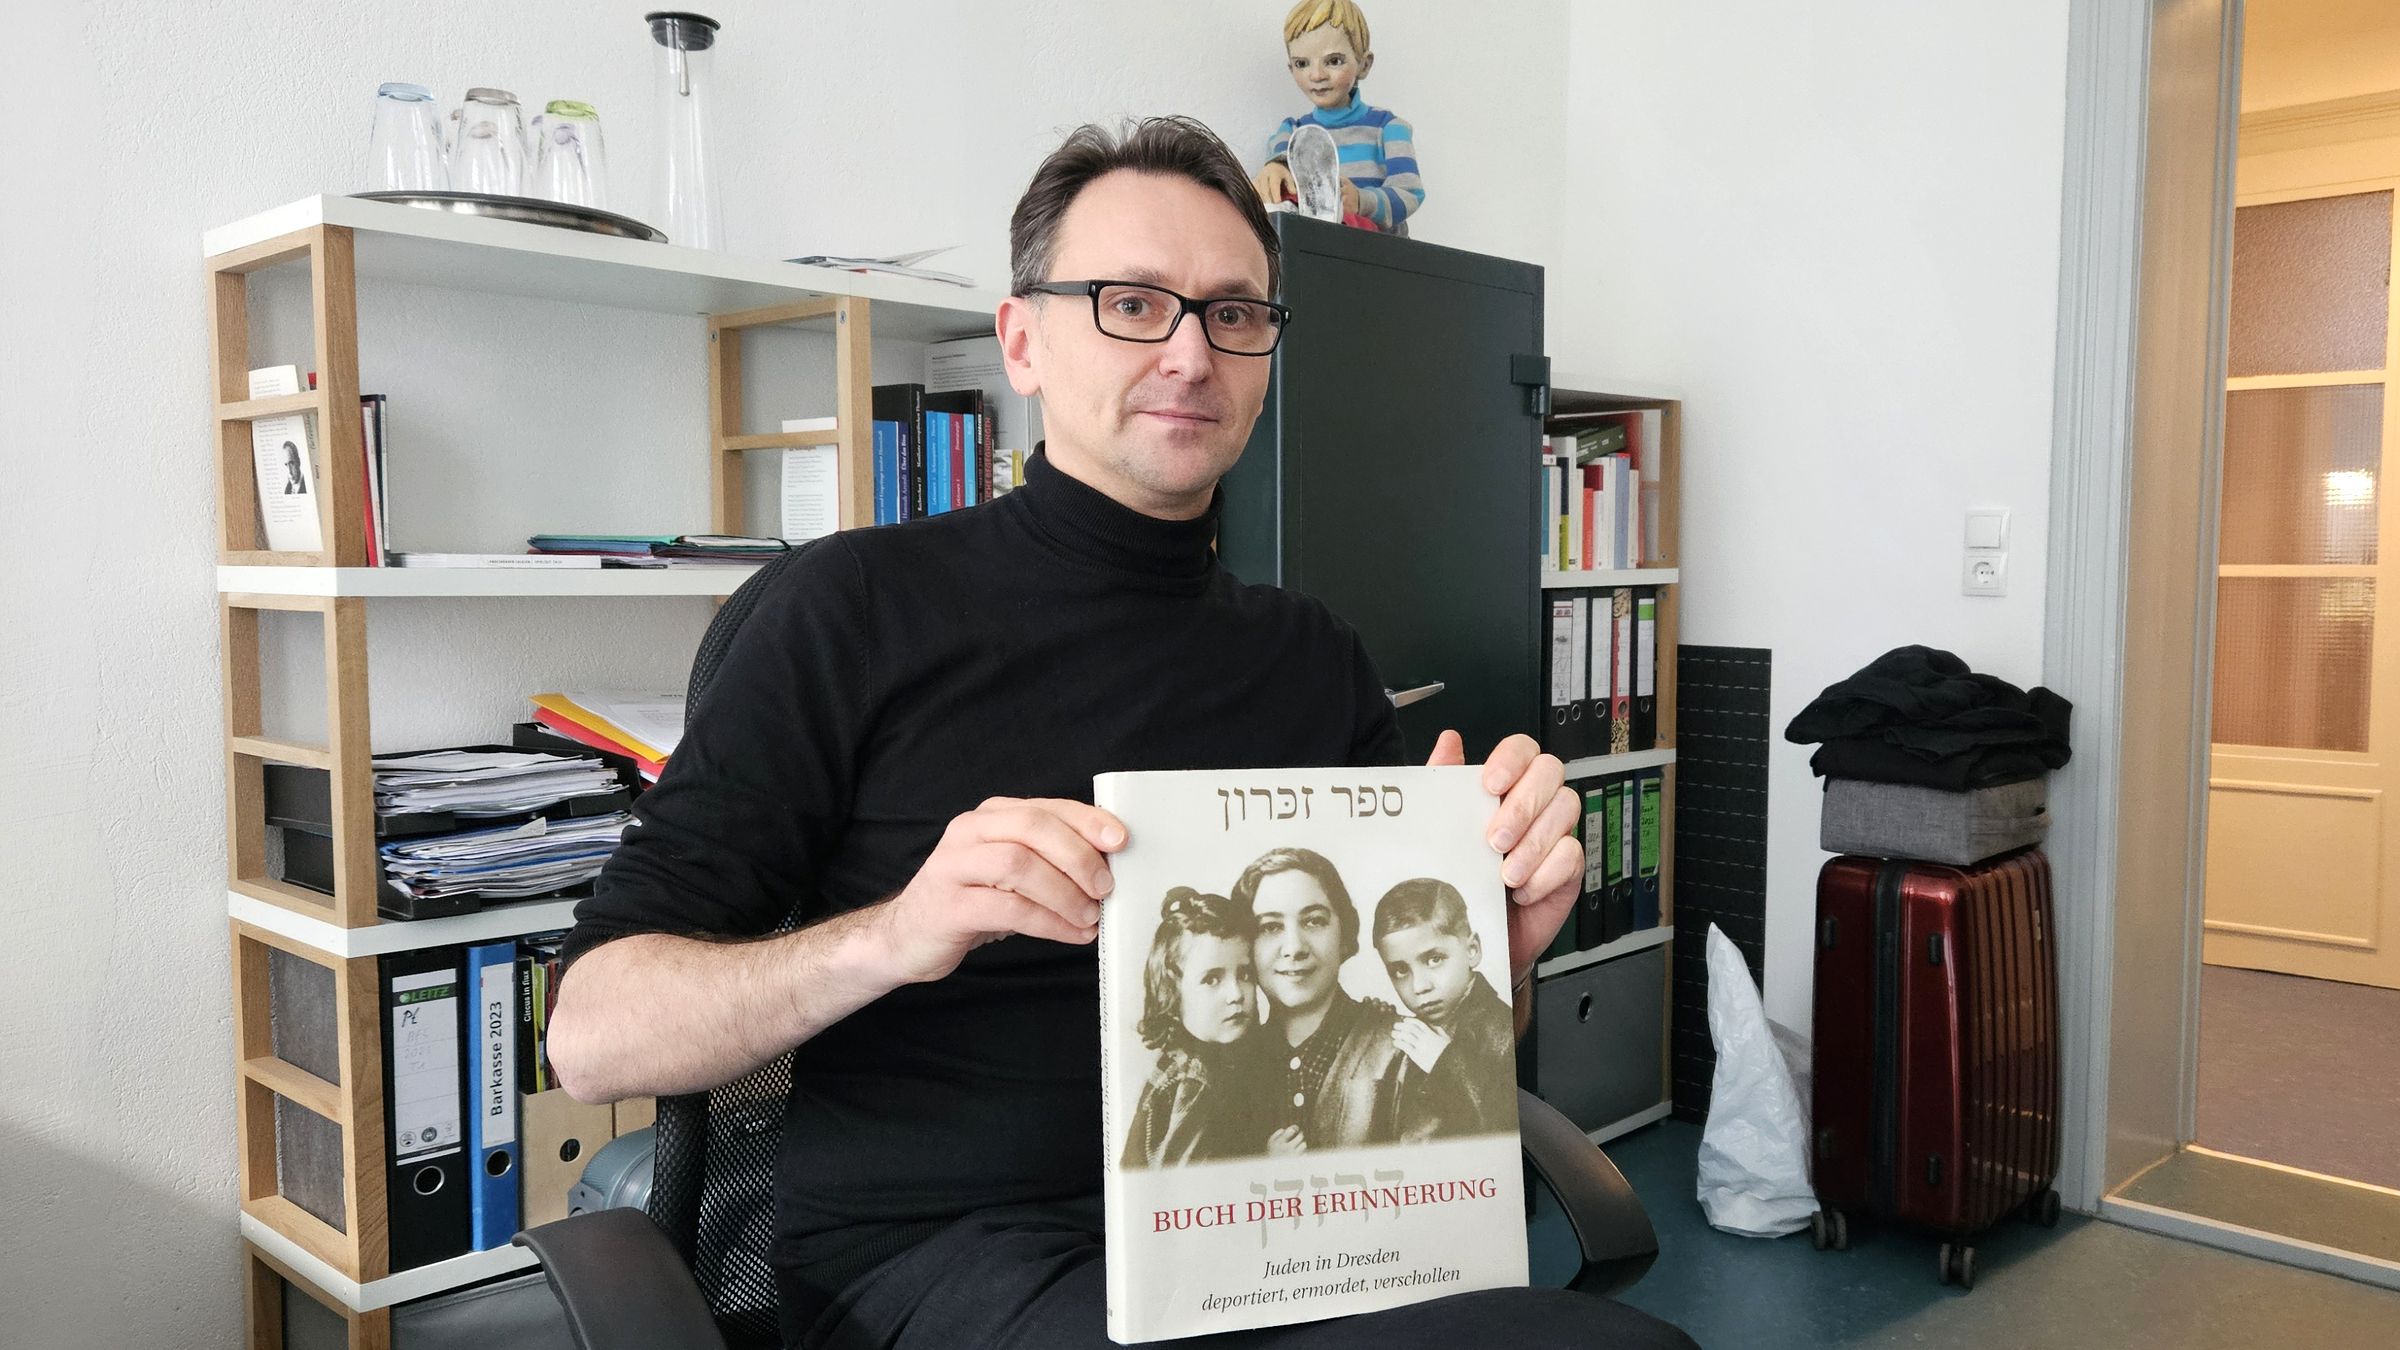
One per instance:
(853, 380)
(264, 1276)
(344, 1265)
(1571, 395)
(330, 254)
(358, 1246)
(346, 758)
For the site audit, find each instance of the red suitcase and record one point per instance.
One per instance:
(1936, 1048)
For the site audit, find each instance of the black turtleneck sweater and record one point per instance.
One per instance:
(894, 679)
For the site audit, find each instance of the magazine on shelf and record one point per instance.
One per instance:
(1308, 1067)
(283, 452)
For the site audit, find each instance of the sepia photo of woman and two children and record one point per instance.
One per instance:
(1262, 1052)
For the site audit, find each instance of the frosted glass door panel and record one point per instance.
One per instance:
(2301, 475)
(2294, 661)
(2310, 285)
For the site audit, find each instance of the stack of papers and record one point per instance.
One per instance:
(486, 783)
(511, 862)
(641, 726)
(897, 264)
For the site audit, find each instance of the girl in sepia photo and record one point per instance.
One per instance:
(1200, 1013)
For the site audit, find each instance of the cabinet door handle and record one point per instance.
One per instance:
(1401, 698)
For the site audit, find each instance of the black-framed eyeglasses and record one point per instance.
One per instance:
(1132, 312)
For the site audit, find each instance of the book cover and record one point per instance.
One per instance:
(283, 454)
(1308, 1069)
(904, 404)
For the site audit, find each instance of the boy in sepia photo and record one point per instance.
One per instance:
(1460, 1035)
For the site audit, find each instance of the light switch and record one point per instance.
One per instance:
(1987, 527)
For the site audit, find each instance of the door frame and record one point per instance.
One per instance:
(2129, 629)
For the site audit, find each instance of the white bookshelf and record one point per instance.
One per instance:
(1624, 946)
(1599, 765)
(415, 1283)
(505, 257)
(1618, 576)
(403, 935)
(439, 582)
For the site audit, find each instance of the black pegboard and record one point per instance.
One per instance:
(1721, 738)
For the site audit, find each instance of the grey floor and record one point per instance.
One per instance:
(2085, 1283)
(2301, 1072)
(2307, 1208)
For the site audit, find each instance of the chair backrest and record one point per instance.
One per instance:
(713, 1192)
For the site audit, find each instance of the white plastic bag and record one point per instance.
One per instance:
(1754, 1149)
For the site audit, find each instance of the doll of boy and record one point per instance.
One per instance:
(1460, 1034)
(1326, 42)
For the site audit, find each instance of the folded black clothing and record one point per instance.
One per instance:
(1925, 703)
(1872, 761)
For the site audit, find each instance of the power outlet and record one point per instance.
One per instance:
(1986, 572)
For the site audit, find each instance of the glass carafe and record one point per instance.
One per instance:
(688, 207)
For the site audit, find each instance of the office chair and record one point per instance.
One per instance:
(689, 1271)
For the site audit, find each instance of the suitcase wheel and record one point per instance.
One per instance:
(1957, 1264)
(2043, 1209)
(1828, 1228)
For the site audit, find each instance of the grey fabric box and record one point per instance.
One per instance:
(1899, 820)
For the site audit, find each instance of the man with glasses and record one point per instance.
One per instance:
(898, 751)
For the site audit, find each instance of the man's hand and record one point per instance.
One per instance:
(1031, 866)
(1274, 183)
(1535, 827)
(1420, 1042)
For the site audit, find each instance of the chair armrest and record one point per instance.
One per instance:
(622, 1284)
(1612, 1229)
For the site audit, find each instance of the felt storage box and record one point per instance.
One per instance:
(1905, 820)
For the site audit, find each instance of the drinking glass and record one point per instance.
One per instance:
(491, 145)
(572, 166)
(404, 150)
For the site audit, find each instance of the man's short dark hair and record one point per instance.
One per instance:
(1309, 863)
(1175, 146)
(1430, 901)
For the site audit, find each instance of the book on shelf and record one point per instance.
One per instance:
(606, 545)
(482, 1140)
(1246, 1185)
(812, 484)
(525, 562)
(1015, 420)
(1623, 832)
(629, 550)
(371, 408)
(1602, 686)
(283, 460)
(1627, 531)
(943, 451)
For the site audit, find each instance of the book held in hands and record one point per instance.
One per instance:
(1308, 1067)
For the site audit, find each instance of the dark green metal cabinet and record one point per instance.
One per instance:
(1394, 473)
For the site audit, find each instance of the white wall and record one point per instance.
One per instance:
(846, 128)
(1832, 229)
